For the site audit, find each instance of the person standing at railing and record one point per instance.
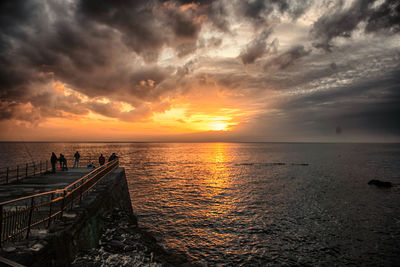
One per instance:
(112, 157)
(53, 161)
(102, 159)
(76, 159)
(63, 162)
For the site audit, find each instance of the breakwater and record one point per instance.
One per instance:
(81, 227)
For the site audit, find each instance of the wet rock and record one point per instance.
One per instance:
(9, 249)
(380, 183)
(39, 233)
(38, 246)
(69, 215)
(124, 244)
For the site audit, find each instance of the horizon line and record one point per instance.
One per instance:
(276, 142)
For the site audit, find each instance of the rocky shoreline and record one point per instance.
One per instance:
(123, 243)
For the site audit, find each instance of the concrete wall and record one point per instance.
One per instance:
(80, 228)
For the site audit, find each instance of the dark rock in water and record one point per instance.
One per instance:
(380, 183)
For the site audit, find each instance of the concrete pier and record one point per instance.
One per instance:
(104, 213)
(80, 227)
(41, 183)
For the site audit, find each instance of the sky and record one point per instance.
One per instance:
(223, 70)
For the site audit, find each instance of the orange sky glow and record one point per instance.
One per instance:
(194, 113)
(199, 71)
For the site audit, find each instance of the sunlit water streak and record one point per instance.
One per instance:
(257, 203)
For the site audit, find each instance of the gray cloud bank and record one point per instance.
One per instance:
(112, 49)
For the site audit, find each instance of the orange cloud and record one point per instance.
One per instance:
(185, 7)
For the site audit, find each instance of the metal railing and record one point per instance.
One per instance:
(11, 174)
(21, 171)
(19, 216)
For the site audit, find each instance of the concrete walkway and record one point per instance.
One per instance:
(41, 183)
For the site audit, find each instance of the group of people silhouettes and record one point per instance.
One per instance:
(61, 159)
(77, 156)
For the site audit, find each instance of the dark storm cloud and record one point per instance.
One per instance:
(261, 10)
(141, 112)
(287, 58)
(256, 48)
(218, 14)
(80, 44)
(183, 23)
(104, 109)
(69, 104)
(40, 51)
(386, 16)
(146, 26)
(369, 105)
(215, 11)
(145, 83)
(77, 43)
(134, 19)
(6, 110)
(255, 9)
(186, 49)
(14, 16)
(275, 78)
(340, 22)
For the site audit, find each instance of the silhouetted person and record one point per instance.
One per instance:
(338, 130)
(76, 159)
(112, 157)
(102, 160)
(53, 161)
(63, 162)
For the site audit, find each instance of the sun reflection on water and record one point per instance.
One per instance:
(217, 179)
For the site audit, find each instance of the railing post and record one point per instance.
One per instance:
(17, 172)
(6, 183)
(46, 166)
(63, 203)
(1, 224)
(72, 198)
(80, 193)
(40, 171)
(30, 218)
(34, 169)
(51, 203)
(26, 170)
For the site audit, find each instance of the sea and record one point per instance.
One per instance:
(256, 204)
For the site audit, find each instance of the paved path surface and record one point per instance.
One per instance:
(41, 183)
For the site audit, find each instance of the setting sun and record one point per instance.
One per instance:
(218, 126)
